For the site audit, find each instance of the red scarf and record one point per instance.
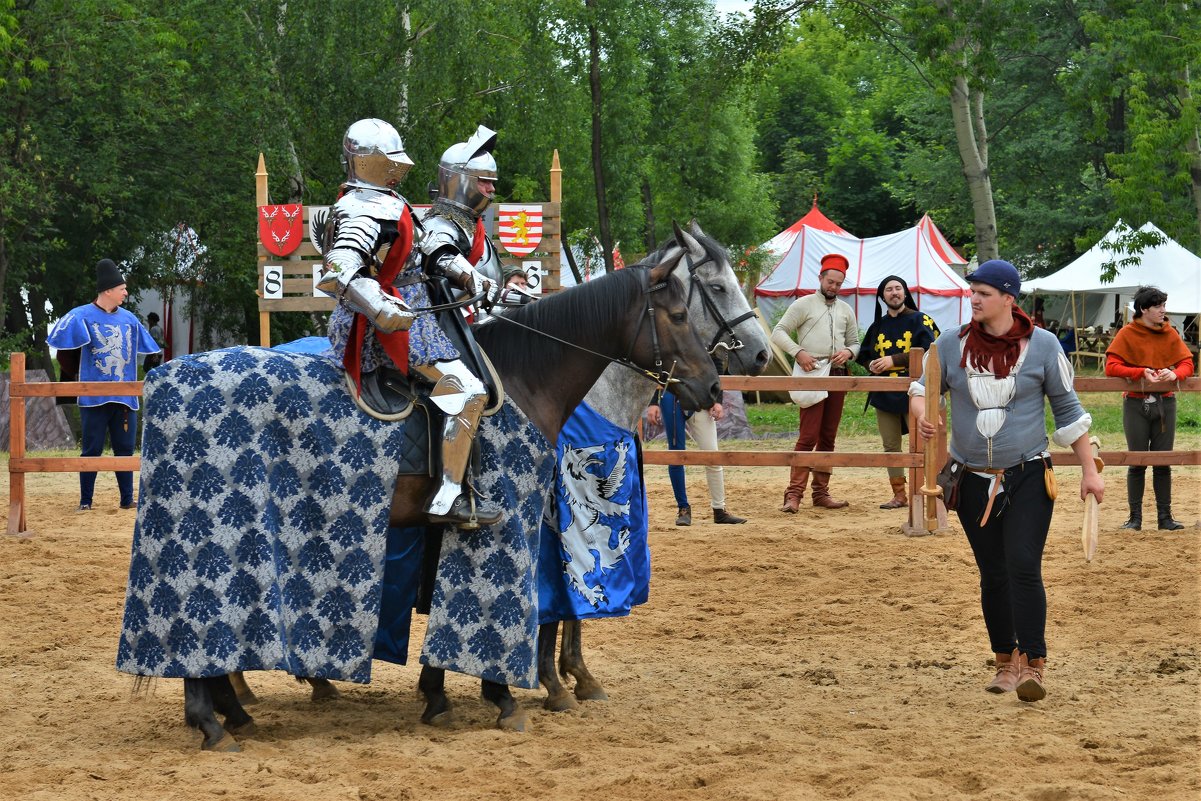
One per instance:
(996, 353)
(395, 344)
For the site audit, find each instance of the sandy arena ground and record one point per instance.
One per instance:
(819, 656)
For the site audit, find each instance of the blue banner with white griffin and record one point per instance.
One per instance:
(594, 559)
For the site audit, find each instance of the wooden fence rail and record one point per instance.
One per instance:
(19, 464)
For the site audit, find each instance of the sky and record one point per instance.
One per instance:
(728, 6)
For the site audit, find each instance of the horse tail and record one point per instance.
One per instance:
(143, 686)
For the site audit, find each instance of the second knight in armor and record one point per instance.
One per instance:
(368, 215)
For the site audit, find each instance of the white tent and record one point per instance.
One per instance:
(1168, 266)
(910, 254)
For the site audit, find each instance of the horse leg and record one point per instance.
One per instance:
(246, 696)
(225, 701)
(512, 717)
(198, 713)
(571, 660)
(323, 689)
(557, 697)
(432, 684)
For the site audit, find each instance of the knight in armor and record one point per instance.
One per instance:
(377, 323)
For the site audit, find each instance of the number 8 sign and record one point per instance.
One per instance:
(273, 281)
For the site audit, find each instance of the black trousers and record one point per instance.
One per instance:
(1009, 554)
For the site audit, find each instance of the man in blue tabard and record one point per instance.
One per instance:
(100, 341)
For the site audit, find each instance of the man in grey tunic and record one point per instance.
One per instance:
(998, 369)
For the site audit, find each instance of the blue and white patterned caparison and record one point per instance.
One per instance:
(262, 525)
(484, 615)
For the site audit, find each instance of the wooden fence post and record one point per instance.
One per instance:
(16, 446)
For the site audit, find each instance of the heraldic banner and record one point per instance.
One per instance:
(594, 557)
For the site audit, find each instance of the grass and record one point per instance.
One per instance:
(770, 420)
(779, 420)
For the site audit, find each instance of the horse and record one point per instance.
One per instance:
(637, 317)
(723, 318)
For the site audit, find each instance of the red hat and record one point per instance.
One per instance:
(835, 261)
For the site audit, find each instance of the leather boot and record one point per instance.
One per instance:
(1030, 678)
(722, 516)
(1136, 482)
(900, 494)
(798, 477)
(1008, 667)
(1161, 482)
(821, 493)
(684, 518)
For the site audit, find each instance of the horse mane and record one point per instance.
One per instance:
(588, 307)
(713, 249)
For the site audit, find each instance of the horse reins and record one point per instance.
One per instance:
(661, 377)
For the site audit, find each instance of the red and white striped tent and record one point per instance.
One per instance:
(912, 254)
(814, 219)
(939, 242)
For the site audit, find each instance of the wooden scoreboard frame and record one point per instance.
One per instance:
(299, 294)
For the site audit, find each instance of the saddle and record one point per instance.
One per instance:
(388, 394)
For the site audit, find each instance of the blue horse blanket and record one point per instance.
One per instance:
(594, 558)
(262, 528)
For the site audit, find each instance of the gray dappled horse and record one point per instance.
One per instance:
(726, 323)
(638, 316)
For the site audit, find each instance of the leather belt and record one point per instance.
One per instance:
(996, 484)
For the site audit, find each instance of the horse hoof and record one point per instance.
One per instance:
(324, 691)
(562, 702)
(514, 721)
(438, 713)
(226, 745)
(247, 729)
(247, 698)
(590, 691)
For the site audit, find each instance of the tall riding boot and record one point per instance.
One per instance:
(900, 494)
(821, 492)
(461, 395)
(1136, 482)
(1161, 482)
(797, 479)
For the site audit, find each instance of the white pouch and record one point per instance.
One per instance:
(808, 397)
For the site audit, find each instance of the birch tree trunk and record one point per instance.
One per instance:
(971, 134)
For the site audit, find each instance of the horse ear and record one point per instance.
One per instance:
(662, 271)
(695, 228)
(688, 241)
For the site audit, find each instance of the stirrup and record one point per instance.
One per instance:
(466, 515)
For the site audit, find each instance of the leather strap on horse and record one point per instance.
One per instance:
(395, 344)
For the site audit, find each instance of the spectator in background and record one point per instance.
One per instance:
(100, 341)
(825, 331)
(1150, 351)
(665, 411)
(885, 351)
(1038, 317)
(153, 360)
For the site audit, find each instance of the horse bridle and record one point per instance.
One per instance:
(664, 378)
(725, 327)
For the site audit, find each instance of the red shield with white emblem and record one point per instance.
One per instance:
(280, 227)
(519, 227)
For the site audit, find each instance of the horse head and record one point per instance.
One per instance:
(719, 311)
(669, 345)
